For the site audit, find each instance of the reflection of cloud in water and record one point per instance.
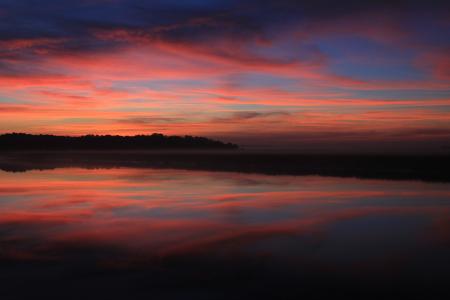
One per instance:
(143, 217)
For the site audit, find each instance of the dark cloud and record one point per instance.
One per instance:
(240, 116)
(150, 120)
(31, 30)
(180, 20)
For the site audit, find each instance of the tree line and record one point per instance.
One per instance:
(23, 141)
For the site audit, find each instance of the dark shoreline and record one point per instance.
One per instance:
(435, 168)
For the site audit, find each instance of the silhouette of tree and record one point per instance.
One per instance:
(22, 141)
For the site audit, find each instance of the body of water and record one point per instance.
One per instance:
(177, 234)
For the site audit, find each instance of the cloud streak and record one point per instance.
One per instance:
(188, 68)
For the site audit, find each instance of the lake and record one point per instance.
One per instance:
(184, 234)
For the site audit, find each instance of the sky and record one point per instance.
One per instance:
(270, 74)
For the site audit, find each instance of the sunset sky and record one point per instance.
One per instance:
(307, 75)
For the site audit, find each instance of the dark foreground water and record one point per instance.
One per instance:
(125, 233)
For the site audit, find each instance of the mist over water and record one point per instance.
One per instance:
(182, 234)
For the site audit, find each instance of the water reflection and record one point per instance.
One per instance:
(182, 234)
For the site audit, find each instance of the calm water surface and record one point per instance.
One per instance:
(114, 233)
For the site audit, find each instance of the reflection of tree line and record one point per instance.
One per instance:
(23, 141)
(428, 168)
